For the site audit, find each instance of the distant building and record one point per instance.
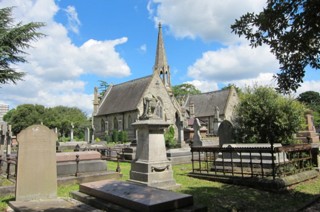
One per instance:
(211, 108)
(3, 110)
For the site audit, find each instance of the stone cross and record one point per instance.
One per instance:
(71, 131)
(197, 136)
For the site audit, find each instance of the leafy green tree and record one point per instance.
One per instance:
(264, 116)
(184, 89)
(312, 100)
(103, 87)
(13, 40)
(24, 116)
(291, 29)
(60, 117)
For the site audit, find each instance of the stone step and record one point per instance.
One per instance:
(136, 197)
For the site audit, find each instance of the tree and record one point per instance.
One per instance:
(13, 40)
(184, 89)
(24, 116)
(292, 30)
(265, 116)
(61, 117)
(103, 87)
(312, 100)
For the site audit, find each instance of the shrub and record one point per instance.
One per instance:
(123, 136)
(169, 137)
(115, 136)
(264, 116)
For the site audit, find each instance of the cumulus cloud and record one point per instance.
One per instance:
(55, 64)
(233, 63)
(312, 85)
(204, 85)
(210, 20)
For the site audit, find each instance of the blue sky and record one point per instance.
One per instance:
(115, 41)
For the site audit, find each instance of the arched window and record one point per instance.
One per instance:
(159, 108)
(129, 121)
(103, 126)
(115, 123)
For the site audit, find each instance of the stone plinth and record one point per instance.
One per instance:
(71, 156)
(151, 166)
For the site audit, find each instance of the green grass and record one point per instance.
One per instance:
(219, 196)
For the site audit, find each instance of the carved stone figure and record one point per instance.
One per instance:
(149, 106)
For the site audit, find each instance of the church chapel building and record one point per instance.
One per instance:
(123, 104)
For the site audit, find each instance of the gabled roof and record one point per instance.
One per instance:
(205, 103)
(123, 97)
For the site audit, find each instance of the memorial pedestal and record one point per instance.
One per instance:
(151, 166)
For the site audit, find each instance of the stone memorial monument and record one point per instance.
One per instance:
(151, 166)
(308, 135)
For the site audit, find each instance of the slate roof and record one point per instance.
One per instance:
(205, 103)
(124, 97)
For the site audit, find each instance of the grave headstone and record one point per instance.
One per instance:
(9, 139)
(87, 135)
(225, 132)
(37, 169)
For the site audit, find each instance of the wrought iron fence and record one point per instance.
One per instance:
(244, 162)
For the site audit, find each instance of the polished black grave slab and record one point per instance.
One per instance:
(136, 197)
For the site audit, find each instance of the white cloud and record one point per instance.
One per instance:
(73, 19)
(208, 19)
(55, 64)
(143, 48)
(311, 85)
(204, 86)
(263, 79)
(233, 63)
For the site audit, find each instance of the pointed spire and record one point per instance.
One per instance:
(161, 65)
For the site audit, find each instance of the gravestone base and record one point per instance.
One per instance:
(53, 205)
(129, 153)
(156, 174)
(179, 156)
(110, 195)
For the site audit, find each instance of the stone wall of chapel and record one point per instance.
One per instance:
(157, 89)
(122, 121)
(230, 108)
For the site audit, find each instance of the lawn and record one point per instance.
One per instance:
(222, 197)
